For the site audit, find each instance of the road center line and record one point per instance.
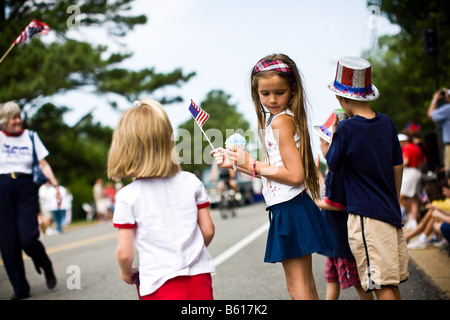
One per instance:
(217, 261)
(81, 243)
(74, 244)
(241, 244)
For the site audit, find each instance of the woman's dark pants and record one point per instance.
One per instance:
(19, 230)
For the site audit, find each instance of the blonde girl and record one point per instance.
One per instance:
(297, 229)
(164, 210)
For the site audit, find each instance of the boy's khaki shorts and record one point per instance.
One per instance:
(380, 252)
(447, 157)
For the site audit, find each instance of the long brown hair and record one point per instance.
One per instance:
(298, 107)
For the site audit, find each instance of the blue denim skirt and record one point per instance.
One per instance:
(297, 228)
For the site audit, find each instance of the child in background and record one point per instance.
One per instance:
(442, 227)
(297, 229)
(413, 160)
(165, 211)
(366, 151)
(440, 202)
(340, 265)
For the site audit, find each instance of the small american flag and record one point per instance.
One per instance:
(199, 114)
(31, 29)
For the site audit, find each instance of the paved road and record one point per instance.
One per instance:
(85, 265)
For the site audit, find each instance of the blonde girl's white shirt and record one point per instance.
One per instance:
(16, 153)
(168, 239)
(275, 192)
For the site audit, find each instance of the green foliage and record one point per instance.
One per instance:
(223, 117)
(131, 84)
(401, 69)
(36, 68)
(77, 155)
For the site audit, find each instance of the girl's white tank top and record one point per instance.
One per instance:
(275, 192)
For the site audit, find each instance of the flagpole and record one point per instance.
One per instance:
(34, 27)
(195, 114)
(10, 48)
(205, 136)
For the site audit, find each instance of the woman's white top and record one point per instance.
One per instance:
(16, 153)
(168, 239)
(275, 192)
(50, 202)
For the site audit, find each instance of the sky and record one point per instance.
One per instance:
(222, 40)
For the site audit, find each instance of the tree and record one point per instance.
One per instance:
(35, 69)
(77, 154)
(402, 70)
(224, 120)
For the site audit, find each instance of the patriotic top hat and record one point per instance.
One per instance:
(324, 131)
(353, 80)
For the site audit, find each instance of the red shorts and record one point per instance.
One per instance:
(198, 287)
(343, 271)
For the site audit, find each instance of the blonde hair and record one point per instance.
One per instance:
(142, 144)
(298, 107)
(8, 110)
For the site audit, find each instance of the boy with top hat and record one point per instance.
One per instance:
(340, 265)
(366, 150)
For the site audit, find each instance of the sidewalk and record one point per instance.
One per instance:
(434, 264)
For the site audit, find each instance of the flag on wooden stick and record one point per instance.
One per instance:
(200, 116)
(34, 27)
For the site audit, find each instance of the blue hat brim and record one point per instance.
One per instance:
(369, 97)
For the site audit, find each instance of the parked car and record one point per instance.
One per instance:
(247, 188)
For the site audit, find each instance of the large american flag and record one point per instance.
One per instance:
(31, 29)
(198, 113)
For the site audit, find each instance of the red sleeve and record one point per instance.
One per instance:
(203, 205)
(125, 226)
(334, 204)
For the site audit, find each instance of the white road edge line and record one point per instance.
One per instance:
(241, 244)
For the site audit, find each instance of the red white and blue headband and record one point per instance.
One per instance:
(272, 65)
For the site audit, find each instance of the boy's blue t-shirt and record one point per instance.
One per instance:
(365, 152)
(337, 220)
